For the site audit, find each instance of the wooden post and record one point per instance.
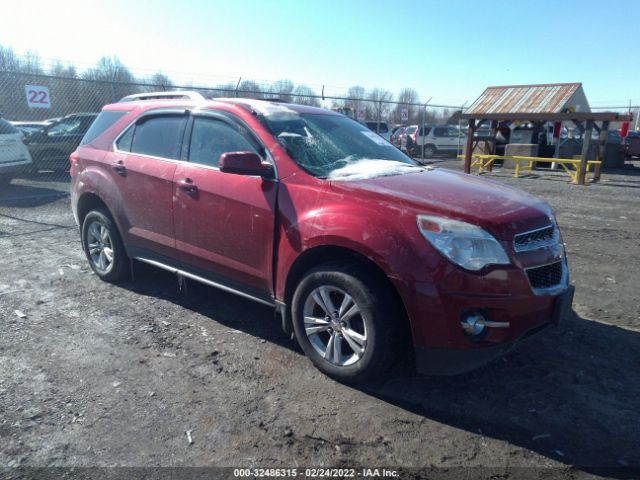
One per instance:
(422, 133)
(586, 143)
(602, 147)
(494, 145)
(468, 150)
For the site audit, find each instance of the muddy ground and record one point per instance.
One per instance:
(100, 375)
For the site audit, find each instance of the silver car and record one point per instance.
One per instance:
(14, 155)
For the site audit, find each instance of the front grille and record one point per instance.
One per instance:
(539, 238)
(546, 276)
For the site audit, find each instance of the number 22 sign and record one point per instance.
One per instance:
(37, 96)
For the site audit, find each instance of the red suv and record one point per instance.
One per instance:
(355, 245)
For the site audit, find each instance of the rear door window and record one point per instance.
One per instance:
(159, 136)
(453, 132)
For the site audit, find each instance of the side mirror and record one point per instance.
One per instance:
(245, 163)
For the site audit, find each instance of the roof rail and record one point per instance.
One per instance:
(175, 95)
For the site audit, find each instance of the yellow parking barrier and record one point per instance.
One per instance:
(570, 166)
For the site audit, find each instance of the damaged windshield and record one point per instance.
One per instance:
(334, 146)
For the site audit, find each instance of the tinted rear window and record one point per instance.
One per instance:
(100, 124)
(159, 136)
(6, 127)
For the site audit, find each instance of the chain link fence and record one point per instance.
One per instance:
(54, 111)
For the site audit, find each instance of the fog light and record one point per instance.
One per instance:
(473, 324)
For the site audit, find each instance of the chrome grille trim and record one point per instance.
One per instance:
(535, 239)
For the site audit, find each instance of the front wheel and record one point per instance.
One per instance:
(103, 246)
(344, 323)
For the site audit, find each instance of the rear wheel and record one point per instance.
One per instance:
(344, 322)
(103, 246)
(429, 151)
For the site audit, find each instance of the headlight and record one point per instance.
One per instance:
(464, 244)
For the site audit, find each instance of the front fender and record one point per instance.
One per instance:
(381, 235)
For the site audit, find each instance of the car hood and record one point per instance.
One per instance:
(501, 209)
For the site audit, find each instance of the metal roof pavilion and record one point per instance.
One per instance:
(539, 103)
(514, 99)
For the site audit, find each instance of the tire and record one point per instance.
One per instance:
(103, 246)
(430, 151)
(363, 330)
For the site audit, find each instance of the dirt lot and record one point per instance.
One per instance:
(94, 374)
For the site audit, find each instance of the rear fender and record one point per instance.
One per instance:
(96, 180)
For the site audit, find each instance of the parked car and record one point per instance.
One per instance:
(633, 134)
(631, 144)
(14, 156)
(381, 128)
(355, 245)
(436, 139)
(396, 133)
(27, 128)
(50, 147)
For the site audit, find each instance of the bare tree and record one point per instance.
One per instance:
(355, 95)
(110, 69)
(379, 106)
(305, 96)
(222, 90)
(114, 79)
(9, 62)
(282, 89)
(31, 64)
(406, 97)
(249, 89)
(161, 81)
(58, 69)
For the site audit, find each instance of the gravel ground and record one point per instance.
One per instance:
(100, 375)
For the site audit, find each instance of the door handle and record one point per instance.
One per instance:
(119, 167)
(187, 185)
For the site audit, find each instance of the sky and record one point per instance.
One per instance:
(447, 50)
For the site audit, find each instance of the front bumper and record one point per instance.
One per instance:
(432, 360)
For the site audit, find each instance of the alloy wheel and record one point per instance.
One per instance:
(335, 325)
(100, 246)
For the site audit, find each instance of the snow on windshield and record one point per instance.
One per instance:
(371, 168)
(271, 110)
